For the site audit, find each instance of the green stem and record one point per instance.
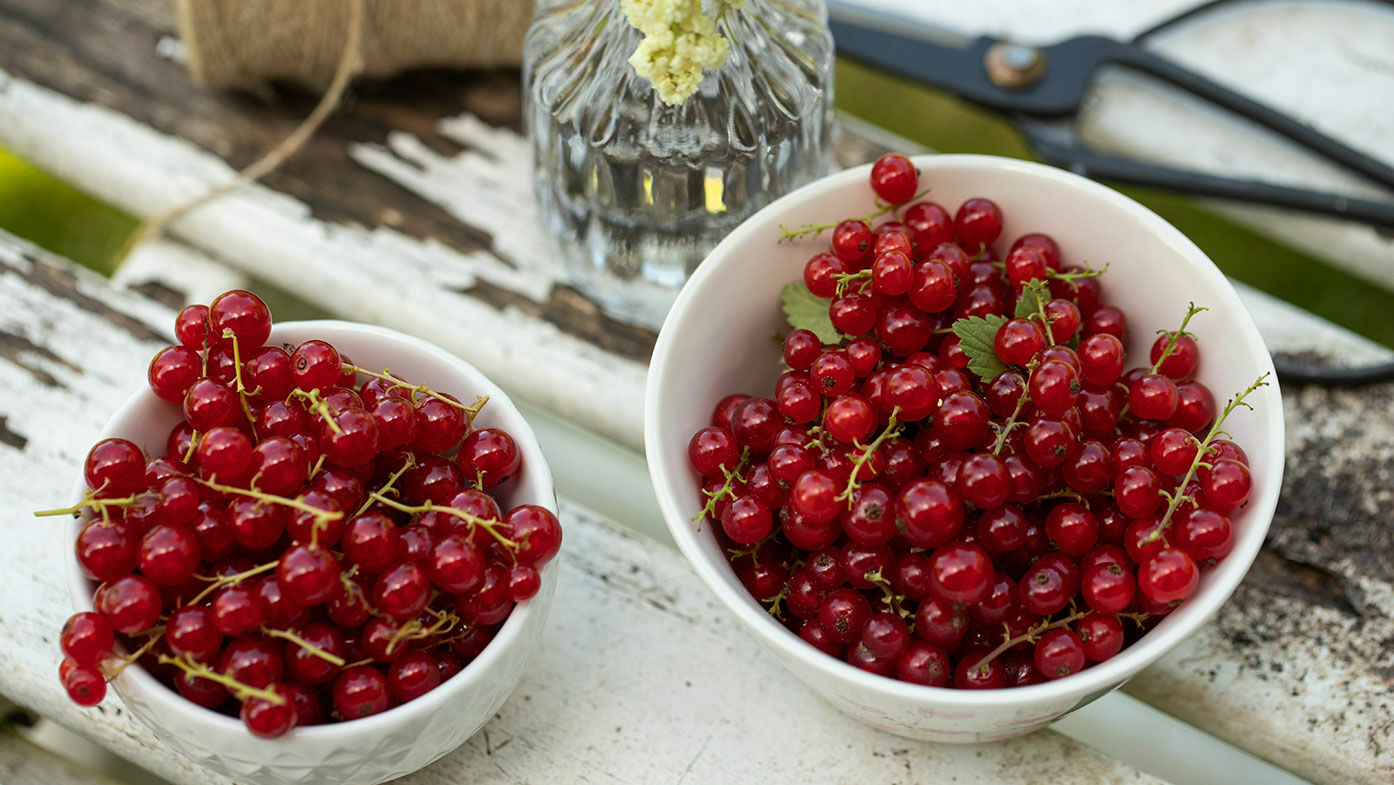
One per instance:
(471, 411)
(100, 505)
(471, 519)
(1031, 634)
(239, 690)
(387, 486)
(788, 234)
(304, 644)
(1191, 310)
(892, 430)
(733, 476)
(1180, 494)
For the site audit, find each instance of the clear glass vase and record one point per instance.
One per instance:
(633, 190)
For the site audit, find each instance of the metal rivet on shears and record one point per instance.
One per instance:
(1014, 66)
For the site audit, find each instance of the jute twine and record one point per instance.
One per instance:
(236, 43)
(249, 42)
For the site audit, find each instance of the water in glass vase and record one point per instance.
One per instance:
(634, 192)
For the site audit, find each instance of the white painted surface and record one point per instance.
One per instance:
(642, 676)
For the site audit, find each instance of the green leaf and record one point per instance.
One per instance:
(1033, 298)
(975, 337)
(807, 311)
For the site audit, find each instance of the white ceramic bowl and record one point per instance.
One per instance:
(402, 739)
(716, 341)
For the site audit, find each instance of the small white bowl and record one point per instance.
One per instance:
(400, 740)
(716, 341)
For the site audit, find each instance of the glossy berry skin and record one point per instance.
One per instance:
(972, 673)
(361, 691)
(107, 551)
(801, 348)
(412, 676)
(1168, 576)
(849, 419)
(983, 480)
(168, 555)
(1153, 397)
(960, 572)
(489, 456)
(961, 420)
(87, 638)
(537, 531)
(1100, 635)
(191, 632)
(267, 720)
(191, 327)
(930, 224)
(746, 520)
(266, 373)
(892, 274)
(172, 371)
(923, 663)
(242, 313)
(84, 684)
(209, 404)
(819, 272)
(885, 634)
(1053, 386)
(1072, 527)
(928, 513)
(851, 241)
(223, 453)
(315, 365)
(1101, 358)
(978, 223)
(130, 604)
(1183, 360)
(1059, 653)
(1018, 341)
(237, 609)
(1226, 484)
(1205, 535)
(894, 178)
(279, 465)
(309, 575)
(401, 591)
(114, 468)
(1108, 587)
(842, 613)
(1044, 590)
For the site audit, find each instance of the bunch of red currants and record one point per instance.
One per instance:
(961, 483)
(317, 541)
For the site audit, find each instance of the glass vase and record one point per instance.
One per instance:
(634, 191)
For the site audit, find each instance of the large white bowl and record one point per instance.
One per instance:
(402, 739)
(716, 341)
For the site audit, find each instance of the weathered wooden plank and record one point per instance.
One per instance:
(643, 676)
(26, 763)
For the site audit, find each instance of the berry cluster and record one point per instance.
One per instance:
(957, 482)
(316, 542)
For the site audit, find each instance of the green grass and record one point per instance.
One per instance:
(947, 124)
(50, 213)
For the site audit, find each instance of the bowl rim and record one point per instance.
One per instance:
(1100, 676)
(139, 682)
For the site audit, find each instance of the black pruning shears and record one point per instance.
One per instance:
(1041, 89)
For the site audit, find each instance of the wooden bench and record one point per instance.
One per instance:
(379, 220)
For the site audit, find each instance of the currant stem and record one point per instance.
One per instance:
(412, 630)
(320, 515)
(733, 476)
(386, 375)
(1011, 422)
(304, 644)
(892, 430)
(472, 520)
(239, 690)
(387, 486)
(788, 234)
(1191, 310)
(1180, 493)
(99, 505)
(1031, 634)
(225, 580)
(319, 406)
(237, 379)
(845, 280)
(1075, 275)
(156, 633)
(193, 445)
(889, 596)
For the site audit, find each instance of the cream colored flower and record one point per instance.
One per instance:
(680, 42)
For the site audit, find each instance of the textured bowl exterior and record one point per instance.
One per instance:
(715, 342)
(408, 737)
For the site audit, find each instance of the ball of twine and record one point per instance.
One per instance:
(240, 43)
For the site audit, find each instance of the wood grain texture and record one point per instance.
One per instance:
(22, 763)
(643, 677)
